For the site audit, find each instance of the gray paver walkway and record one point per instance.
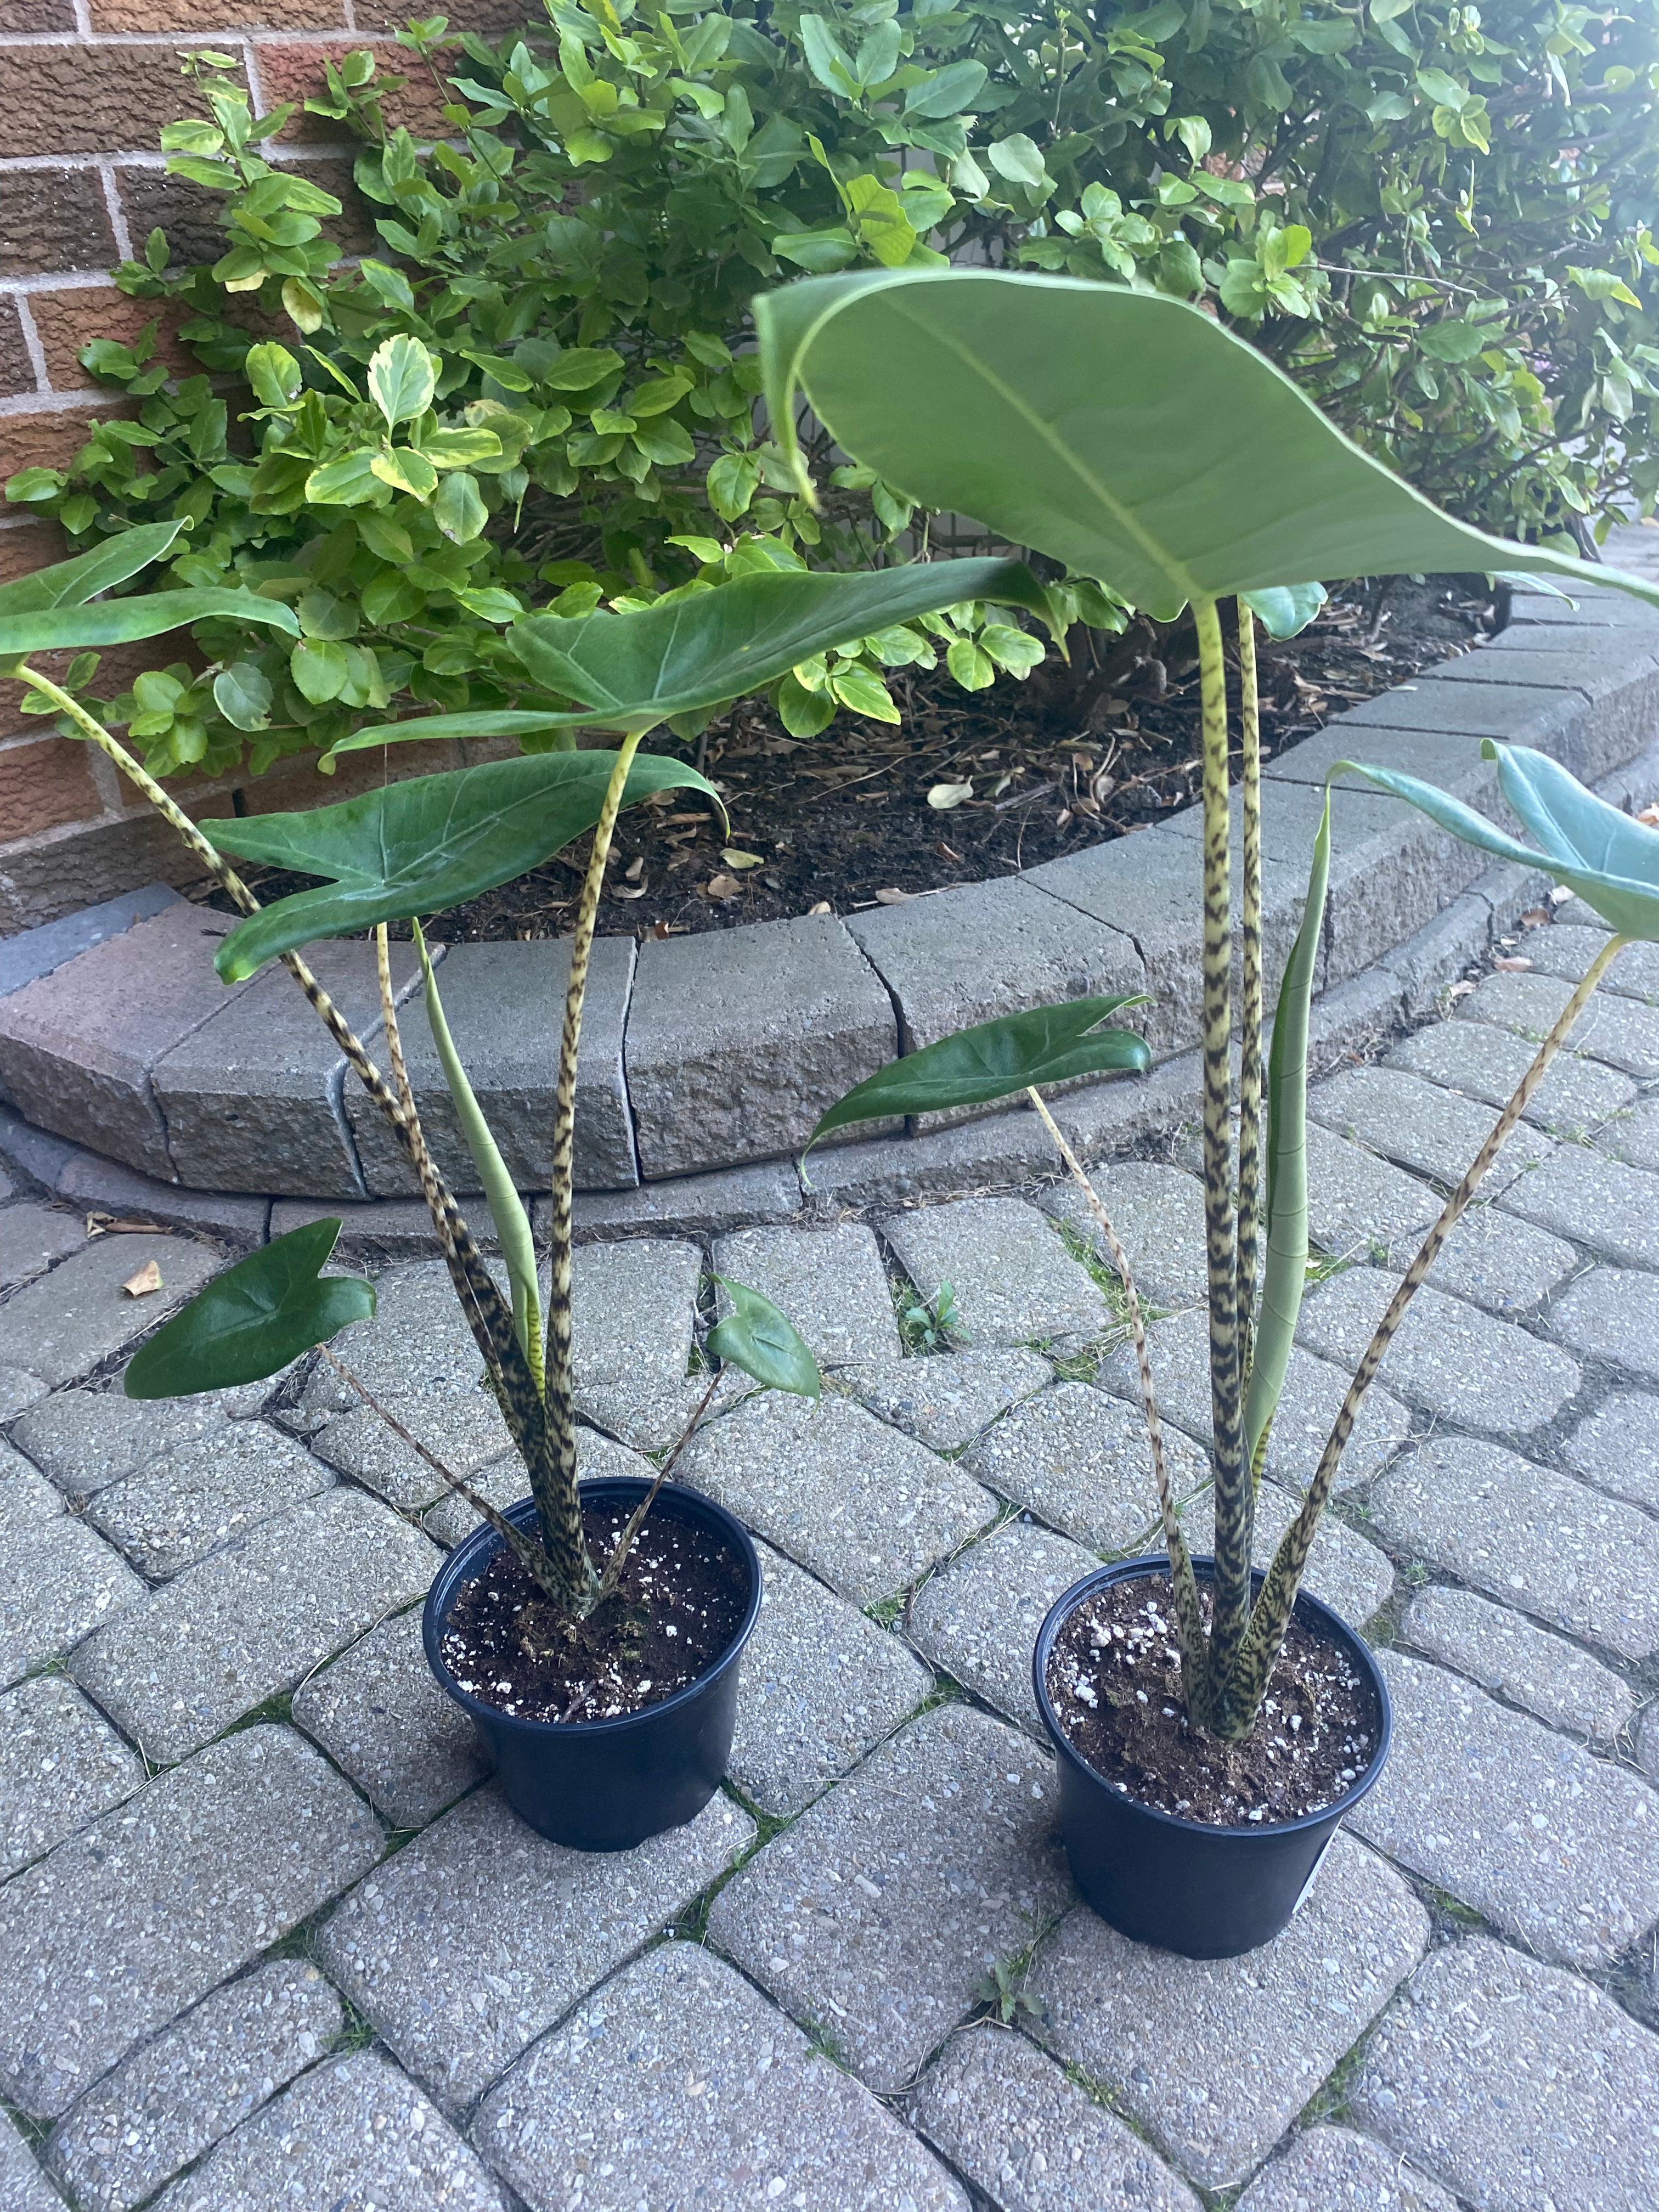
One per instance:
(193, 1959)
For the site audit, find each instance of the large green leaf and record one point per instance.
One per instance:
(413, 848)
(996, 1060)
(1121, 432)
(1611, 861)
(70, 583)
(250, 1320)
(122, 622)
(681, 656)
(763, 1342)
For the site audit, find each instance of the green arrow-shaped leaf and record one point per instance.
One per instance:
(763, 1342)
(416, 847)
(124, 622)
(250, 1320)
(1122, 431)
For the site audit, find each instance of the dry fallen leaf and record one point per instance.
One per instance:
(1559, 896)
(1650, 814)
(625, 891)
(110, 1225)
(635, 868)
(734, 857)
(1460, 990)
(893, 897)
(722, 887)
(147, 1278)
(1504, 960)
(944, 796)
(822, 907)
(1535, 917)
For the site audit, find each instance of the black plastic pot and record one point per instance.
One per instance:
(1206, 1892)
(607, 1785)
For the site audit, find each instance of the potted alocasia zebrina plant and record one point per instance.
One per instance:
(593, 1633)
(1129, 436)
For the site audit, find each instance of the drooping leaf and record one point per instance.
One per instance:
(1286, 610)
(996, 1060)
(1610, 860)
(250, 1322)
(763, 1342)
(124, 622)
(416, 847)
(71, 583)
(682, 655)
(1122, 431)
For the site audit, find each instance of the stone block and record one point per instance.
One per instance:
(58, 1581)
(1612, 1314)
(991, 1151)
(1164, 2032)
(90, 1183)
(1353, 1578)
(378, 1713)
(253, 1098)
(873, 1918)
(738, 1039)
(1506, 1652)
(77, 1046)
(61, 1765)
(432, 1949)
(161, 2109)
(1328, 2169)
(1553, 1845)
(1313, 1394)
(1495, 1260)
(32, 1237)
(506, 1482)
(1123, 1111)
(35, 952)
(686, 1205)
(946, 1400)
(379, 1233)
(129, 1924)
(1488, 1063)
(830, 1282)
(505, 1007)
(1549, 718)
(1015, 1282)
(1422, 1126)
(1617, 674)
(1528, 1537)
(200, 1495)
(1623, 1032)
(1027, 2135)
(679, 2067)
(634, 1315)
(1633, 1137)
(29, 1153)
(1432, 957)
(986, 950)
(252, 1620)
(74, 1319)
(84, 1439)
(1617, 1449)
(1600, 1203)
(1358, 1204)
(1157, 1212)
(1568, 951)
(978, 1617)
(1457, 1364)
(27, 1499)
(354, 2132)
(1078, 1458)
(1514, 2083)
(863, 1506)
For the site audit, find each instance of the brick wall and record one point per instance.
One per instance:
(85, 88)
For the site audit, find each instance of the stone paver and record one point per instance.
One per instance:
(32, 1237)
(634, 1315)
(26, 1498)
(85, 1439)
(1568, 950)
(1612, 1313)
(1505, 1651)
(1488, 1064)
(127, 1925)
(1335, 2170)
(1456, 1363)
(378, 1713)
(64, 1324)
(20, 1386)
(873, 1918)
(1617, 1448)
(1529, 1536)
(1313, 1394)
(1343, 1571)
(862, 1505)
(1015, 1282)
(979, 1617)
(1495, 1260)
(830, 1282)
(1078, 1458)
(677, 2068)
(23, 2187)
(505, 1482)
(1166, 2033)
(253, 1619)
(1157, 1213)
(61, 1765)
(470, 1943)
(169, 2102)
(1359, 1206)
(1515, 2084)
(58, 1580)
(1600, 1203)
(821, 1685)
(1556, 1847)
(1021, 2130)
(356, 2133)
(946, 1400)
(1623, 1032)
(1633, 1137)
(199, 1495)
(1421, 1125)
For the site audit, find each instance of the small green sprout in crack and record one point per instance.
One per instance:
(1324, 1267)
(1450, 1915)
(1331, 2098)
(828, 2045)
(357, 2033)
(1002, 1994)
(1078, 1366)
(887, 1611)
(34, 2132)
(928, 1325)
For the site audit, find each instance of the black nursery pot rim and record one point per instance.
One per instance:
(1329, 1621)
(469, 1557)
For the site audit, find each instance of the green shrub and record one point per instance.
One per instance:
(1434, 218)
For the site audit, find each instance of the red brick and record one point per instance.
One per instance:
(27, 546)
(90, 100)
(36, 15)
(66, 321)
(43, 784)
(295, 71)
(16, 370)
(189, 16)
(53, 220)
(190, 214)
(51, 438)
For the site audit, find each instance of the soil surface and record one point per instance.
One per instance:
(680, 1600)
(1035, 770)
(1113, 1675)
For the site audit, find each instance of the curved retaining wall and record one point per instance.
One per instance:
(706, 1060)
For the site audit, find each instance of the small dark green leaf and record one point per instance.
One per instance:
(763, 1342)
(253, 1319)
(996, 1059)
